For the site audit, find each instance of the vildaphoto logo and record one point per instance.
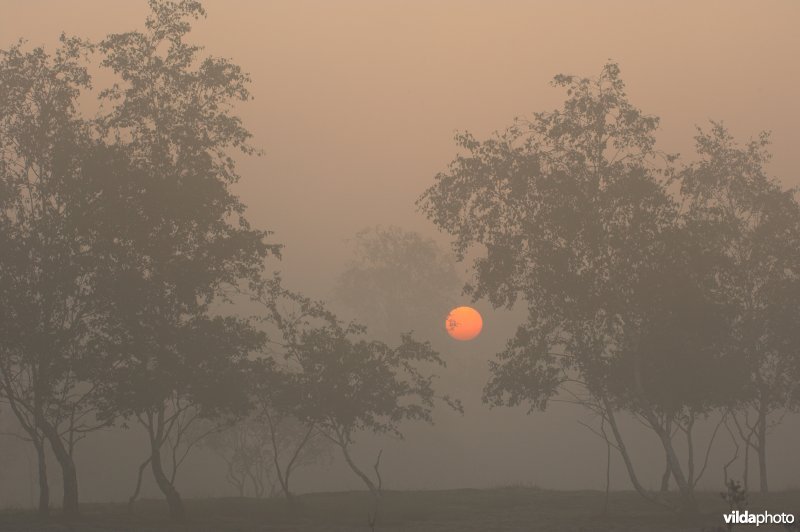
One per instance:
(763, 518)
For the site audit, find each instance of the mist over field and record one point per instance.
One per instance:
(208, 267)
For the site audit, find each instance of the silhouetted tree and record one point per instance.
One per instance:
(181, 241)
(366, 386)
(755, 225)
(241, 447)
(574, 213)
(266, 447)
(118, 236)
(244, 447)
(343, 382)
(51, 324)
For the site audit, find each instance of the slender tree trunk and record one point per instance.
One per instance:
(256, 479)
(626, 459)
(762, 447)
(746, 466)
(608, 475)
(176, 510)
(37, 439)
(135, 494)
(665, 476)
(688, 502)
(667, 470)
(363, 476)
(44, 487)
(283, 480)
(284, 474)
(690, 453)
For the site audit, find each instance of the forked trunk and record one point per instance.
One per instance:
(69, 472)
(688, 502)
(685, 487)
(623, 451)
(139, 475)
(176, 510)
(374, 489)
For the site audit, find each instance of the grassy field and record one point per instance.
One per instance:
(502, 509)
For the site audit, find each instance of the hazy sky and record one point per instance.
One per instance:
(356, 104)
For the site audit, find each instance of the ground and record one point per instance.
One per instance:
(491, 510)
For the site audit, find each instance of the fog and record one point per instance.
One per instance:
(355, 106)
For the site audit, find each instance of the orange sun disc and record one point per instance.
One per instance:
(464, 323)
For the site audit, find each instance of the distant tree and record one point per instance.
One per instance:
(398, 281)
(345, 383)
(574, 212)
(241, 447)
(51, 324)
(181, 243)
(755, 225)
(265, 448)
(244, 447)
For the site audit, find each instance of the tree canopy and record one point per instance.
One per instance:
(398, 281)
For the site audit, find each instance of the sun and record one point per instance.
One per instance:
(464, 323)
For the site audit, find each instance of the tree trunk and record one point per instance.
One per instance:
(69, 473)
(688, 502)
(371, 485)
(44, 487)
(283, 480)
(608, 476)
(283, 475)
(762, 447)
(70, 478)
(375, 490)
(623, 451)
(256, 479)
(665, 476)
(38, 442)
(746, 466)
(135, 494)
(176, 510)
(667, 469)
